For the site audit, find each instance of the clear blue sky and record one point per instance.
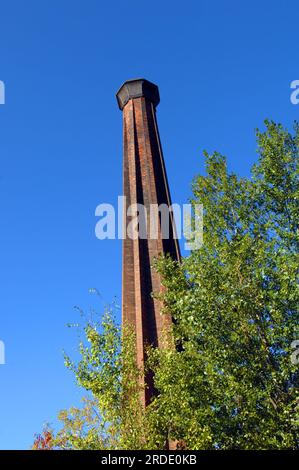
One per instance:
(221, 66)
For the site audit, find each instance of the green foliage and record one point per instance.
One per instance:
(235, 302)
(111, 416)
(230, 383)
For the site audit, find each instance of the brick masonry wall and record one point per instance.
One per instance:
(144, 182)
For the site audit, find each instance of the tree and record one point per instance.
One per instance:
(111, 416)
(235, 305)
(230, 383)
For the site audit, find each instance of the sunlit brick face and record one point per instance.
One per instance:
(144, 182)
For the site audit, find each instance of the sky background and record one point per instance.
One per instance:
(222, 67)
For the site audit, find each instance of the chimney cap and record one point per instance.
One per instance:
(136, 88)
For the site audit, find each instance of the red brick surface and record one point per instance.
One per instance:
(144, 182)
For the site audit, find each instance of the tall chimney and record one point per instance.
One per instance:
(144, 182)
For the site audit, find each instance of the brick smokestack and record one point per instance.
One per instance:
(144, 182)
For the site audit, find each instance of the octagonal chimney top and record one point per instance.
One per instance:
(136, 88)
